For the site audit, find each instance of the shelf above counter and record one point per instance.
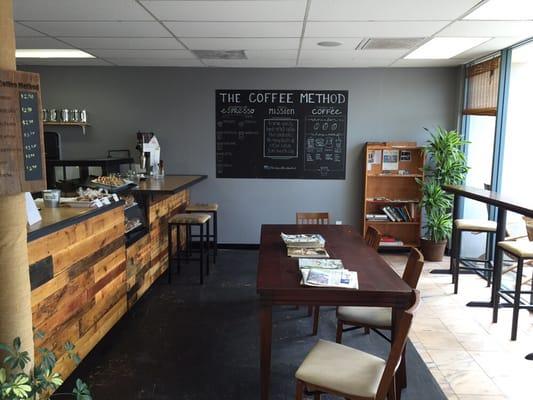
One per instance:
(82, 125)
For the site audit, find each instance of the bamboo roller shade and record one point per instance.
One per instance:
(482, 87)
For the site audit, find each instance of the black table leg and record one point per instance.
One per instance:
(498, 262)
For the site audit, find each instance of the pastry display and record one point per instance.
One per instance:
(132, 223)
(113, 181)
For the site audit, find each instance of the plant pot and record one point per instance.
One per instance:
(433, 251)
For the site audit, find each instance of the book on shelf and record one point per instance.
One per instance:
(398, 214)
(313, 240)
(390, 241)
(309, 252)
(306, 263)
(377, 217)
(336, 278)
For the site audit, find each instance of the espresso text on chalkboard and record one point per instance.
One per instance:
(287, 134)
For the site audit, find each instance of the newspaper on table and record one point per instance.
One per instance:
(320, 263)
(335, 278)
(301, 252)
(313, 240)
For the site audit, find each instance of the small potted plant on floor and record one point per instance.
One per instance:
(446, 165)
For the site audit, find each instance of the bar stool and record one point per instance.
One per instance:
(475, 226)
(188, 220)
(522, 250)
(207, 208)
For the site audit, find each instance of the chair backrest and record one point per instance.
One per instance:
(312, 218)
(398, 345)
(413, 268)
(372, 237)
(529, 227)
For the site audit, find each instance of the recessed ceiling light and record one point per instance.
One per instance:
(445, 47)
(330, 43)
(52, 53)
(503, 10)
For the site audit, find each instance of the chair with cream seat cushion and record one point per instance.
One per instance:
(522, 250)
(378, 317)
(353, 374)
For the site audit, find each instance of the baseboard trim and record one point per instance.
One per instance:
(238, 246)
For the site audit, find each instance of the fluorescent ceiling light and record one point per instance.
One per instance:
(445, 47)
(503, 10)
(52, 53)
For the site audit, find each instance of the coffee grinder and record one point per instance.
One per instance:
(149, 153)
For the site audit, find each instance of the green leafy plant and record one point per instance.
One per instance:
(446, 165)
(16, 384)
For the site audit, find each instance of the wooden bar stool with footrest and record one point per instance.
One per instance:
(188, 220)
(522, 250)
(353, 374)
(207, 208)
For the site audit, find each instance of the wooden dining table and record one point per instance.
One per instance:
(278, 282)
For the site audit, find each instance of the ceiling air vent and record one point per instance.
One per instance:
(220, 54)
(390, 43)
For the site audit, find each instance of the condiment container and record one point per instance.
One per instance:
(51, 198)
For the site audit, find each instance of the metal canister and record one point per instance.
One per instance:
(45, 115)
(74, 115)
(52, 115)
(51, 198)
(64, 115)
(83, 116)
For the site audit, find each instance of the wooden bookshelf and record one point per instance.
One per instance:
(396, 187)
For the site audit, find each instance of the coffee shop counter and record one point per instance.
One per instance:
(82, 274)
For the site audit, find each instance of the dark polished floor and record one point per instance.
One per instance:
(186, 342)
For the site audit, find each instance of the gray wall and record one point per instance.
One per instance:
(179, 106)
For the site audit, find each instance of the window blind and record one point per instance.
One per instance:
(482, 87)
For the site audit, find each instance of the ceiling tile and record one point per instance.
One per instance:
(79, 10)
(241, 43)
(503, 10)
(155, 54)
(251, 63)
(489, 47)
(63, 61)
(387, 10)
(374, 29)
(124, 43)
(357, 63)
(256, 55)
(429, 63)
(319, 55)
(101, 29)
(150, 62)
(235, 29)
(310, 43)
(23, 31)
(489, 28)
(228, 10)
(40, 43)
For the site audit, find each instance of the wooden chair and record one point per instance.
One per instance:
(372, 238)
(353, 374)
(378, 317)
(312, 218)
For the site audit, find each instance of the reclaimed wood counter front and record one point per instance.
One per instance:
(83, 276)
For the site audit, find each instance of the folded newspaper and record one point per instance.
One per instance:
(302, 252)
(304, 240)
(335, 278)
(320, 263)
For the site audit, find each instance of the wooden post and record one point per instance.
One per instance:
(15, 291)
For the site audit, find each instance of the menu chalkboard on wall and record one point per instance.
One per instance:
(299, 134)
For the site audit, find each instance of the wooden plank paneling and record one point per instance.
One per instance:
(86, 294)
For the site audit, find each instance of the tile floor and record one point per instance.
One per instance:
(470, 357)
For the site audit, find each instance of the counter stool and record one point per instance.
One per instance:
(521, 250)
(188, 220)
(207, 208)
(475, 226)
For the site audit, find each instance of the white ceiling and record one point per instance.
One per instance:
(273, 33)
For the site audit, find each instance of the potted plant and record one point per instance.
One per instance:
(18, 382)
(446, 165)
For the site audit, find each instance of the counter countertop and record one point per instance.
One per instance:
(169, 184)
(54, 219)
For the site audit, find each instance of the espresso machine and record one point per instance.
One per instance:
(149, 153)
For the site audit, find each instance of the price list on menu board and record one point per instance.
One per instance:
(298, 134)
(21, 133)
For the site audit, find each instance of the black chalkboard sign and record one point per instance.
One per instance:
(298, 134)
(31, 136)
